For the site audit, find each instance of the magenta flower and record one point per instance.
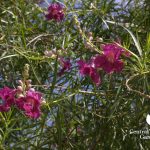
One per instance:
(30, 104)
(55, 11)
(7, 96)
(66, 65)
(89, 70)
(110, 59)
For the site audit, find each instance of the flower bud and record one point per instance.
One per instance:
(28, 86)
(20, 95)
(20, 89)
(32, 89)
(43, 101)
(20, 82)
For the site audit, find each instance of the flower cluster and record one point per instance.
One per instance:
(30, 104)
(110, 61)
(29, 101)
(56, 12)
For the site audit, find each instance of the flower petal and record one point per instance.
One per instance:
(118, 66)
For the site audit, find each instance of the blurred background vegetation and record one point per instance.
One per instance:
(77, 115)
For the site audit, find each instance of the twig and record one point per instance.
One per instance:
(136, 91)
(39, 36)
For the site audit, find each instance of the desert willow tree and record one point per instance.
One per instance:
(74, 74)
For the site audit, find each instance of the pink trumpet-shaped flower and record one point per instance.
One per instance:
(110, 59)
(55, 11)
(7, 97)
(89, 70)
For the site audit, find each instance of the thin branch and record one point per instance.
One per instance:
(136, 91)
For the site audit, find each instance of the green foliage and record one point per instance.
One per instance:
(77, 114)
